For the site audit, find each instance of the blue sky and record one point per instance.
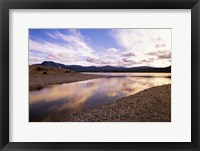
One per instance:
(100, 47)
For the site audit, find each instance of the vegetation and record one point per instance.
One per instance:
(35, 69)
(78, 68)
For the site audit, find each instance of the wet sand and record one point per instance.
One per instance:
(39, 81)
(150, 105)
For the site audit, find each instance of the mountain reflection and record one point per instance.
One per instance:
(59, 101)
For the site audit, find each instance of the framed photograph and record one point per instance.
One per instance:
(99, 75)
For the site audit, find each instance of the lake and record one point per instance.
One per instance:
(55, 103)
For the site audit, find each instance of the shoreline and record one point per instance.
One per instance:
(150, 105)
(40, 81)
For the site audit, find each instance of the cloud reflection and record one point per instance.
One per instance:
(56, 102)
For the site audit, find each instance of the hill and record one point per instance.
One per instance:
(37, 69)
(79, 68)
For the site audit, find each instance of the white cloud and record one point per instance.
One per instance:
(73, 48)
(141, 42)
(139, 47)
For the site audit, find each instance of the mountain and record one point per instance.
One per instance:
(78, 68)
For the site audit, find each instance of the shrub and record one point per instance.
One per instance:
(44, 72)
(39, 68)
(67, 71)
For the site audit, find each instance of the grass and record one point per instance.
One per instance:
(34, 69)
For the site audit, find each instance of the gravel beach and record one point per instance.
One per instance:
(150, 105)
(39, 81)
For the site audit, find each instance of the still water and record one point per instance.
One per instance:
(55, 103)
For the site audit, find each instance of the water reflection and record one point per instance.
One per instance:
(59, 101)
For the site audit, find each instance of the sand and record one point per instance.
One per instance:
(39, 81)
(150, 105)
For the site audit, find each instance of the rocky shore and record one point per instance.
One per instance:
(150, 105)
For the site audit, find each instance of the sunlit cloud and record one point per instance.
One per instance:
(160, 54)
(133, 47)
(145, 45)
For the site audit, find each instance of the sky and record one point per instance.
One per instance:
(101, 47)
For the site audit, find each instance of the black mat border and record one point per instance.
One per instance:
(5, 5)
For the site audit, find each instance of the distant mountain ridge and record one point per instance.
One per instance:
(79, 68)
